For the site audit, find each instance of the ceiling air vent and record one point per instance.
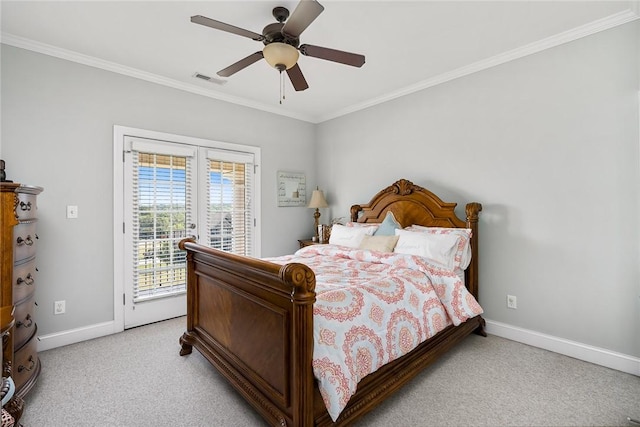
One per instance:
(209, 78)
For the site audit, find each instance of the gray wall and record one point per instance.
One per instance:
(549, 145)
(57, 132)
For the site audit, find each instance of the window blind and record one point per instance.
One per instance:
(161, 218)
(230, 210)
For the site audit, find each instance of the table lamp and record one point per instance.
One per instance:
(317, 201)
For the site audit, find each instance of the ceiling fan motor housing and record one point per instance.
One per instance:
(273, 33)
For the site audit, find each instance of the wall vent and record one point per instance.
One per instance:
(209, 79)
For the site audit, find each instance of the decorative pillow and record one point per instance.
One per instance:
(349, 236)
(463, 251)
(388, 226)
(379, 243)
(440, 248)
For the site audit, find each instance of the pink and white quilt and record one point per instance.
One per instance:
(373, 307)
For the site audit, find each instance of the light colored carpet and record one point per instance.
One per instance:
(137, 378)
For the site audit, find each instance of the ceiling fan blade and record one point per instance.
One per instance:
(240, 65)
(208, 22)
(304, 14)
(342, 57)
(297, 79)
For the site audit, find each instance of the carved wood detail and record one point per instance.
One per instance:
(403, 187)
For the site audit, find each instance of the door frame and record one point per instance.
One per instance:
(119, 134)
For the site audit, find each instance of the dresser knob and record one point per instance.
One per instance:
(27, 280)
(28, 241)
(28, 321)
(32, 364)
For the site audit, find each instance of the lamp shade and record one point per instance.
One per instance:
(318, 200)
(282, 54)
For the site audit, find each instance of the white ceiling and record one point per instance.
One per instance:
(408, 45)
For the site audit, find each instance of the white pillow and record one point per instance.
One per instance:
(440, 248)
(463, 252)
(349, 236)
(375, 226)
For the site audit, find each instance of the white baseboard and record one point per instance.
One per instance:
(72, 336)
(598, 356)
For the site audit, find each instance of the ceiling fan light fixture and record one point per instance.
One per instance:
(280, 54)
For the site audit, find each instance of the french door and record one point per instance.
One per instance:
(173, 191)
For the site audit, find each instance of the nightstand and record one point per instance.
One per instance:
(309, 242)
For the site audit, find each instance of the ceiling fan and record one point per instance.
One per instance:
(282, 42)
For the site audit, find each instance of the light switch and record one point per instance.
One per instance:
(72, 211)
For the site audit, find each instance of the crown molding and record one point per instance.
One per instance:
(46, 49)
(620, 18)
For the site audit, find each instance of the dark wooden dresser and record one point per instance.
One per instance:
(18, 244)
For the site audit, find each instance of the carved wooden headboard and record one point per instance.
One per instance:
(412, 204)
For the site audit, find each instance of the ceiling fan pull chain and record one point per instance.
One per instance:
(281, 87)
(280, 81)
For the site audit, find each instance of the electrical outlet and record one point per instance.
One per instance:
(512, 302)
(59, 307)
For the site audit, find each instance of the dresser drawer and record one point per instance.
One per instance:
(26, 207)
(25, 324)
(25, 362)
(24, 280)
(24, 241)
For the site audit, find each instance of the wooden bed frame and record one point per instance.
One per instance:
(253, 320)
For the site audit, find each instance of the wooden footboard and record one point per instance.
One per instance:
(253, 320)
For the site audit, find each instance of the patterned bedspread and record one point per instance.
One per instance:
(372, 308)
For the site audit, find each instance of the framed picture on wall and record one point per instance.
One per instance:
(292, 189)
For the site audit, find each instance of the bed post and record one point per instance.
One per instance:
(472, 211)
(303, 296)
(355, 210)
(186, 347)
